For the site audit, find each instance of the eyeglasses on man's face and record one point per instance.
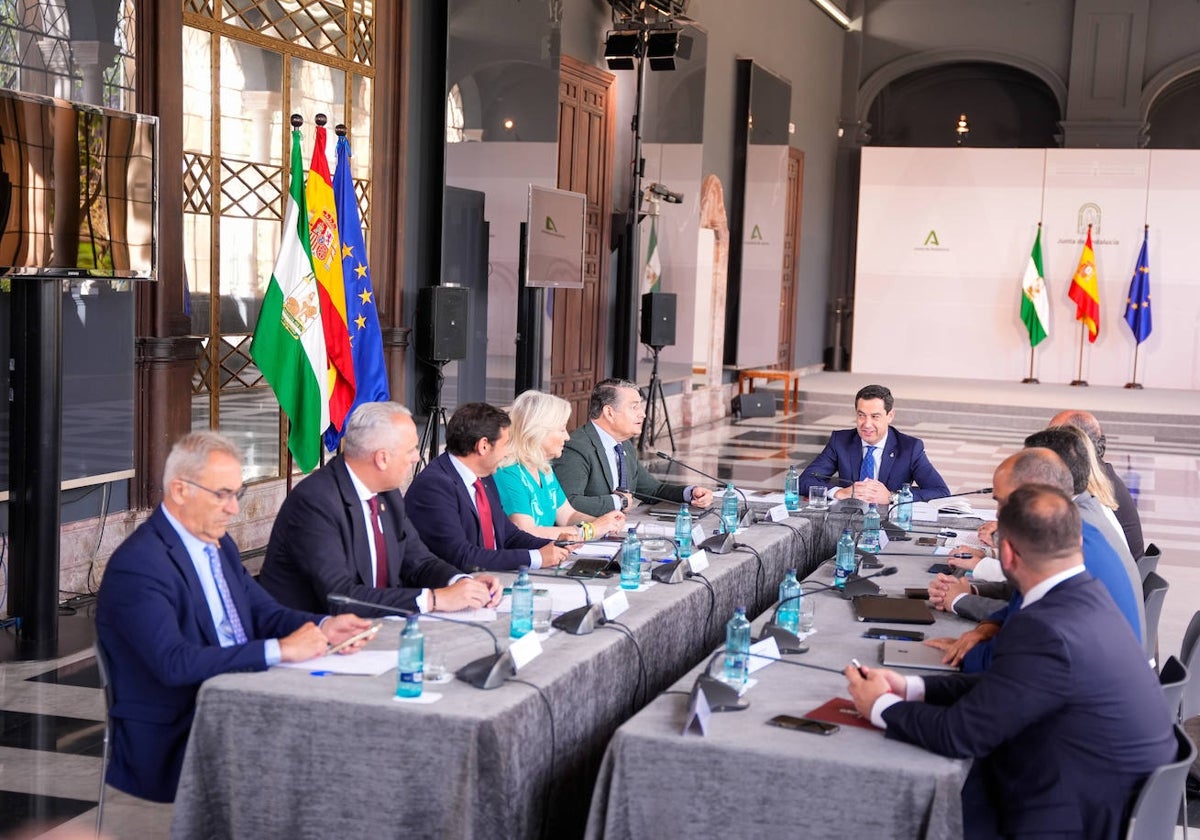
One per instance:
(223, 496)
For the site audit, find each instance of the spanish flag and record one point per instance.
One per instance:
(327, 265)
(1085, 291)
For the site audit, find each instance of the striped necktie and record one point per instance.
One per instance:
(231, 613)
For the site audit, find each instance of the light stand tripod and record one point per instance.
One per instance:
(655, 398)
(437, 415)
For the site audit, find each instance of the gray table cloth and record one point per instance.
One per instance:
(286, 754)
(750, 780)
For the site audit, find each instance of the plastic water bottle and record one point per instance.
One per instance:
(789, 610)
(737, 648)
(904, 506)
(846, 561)
(522, 605)
(869, 542)
(683, 532)
(791, 488)
(729, 509)
(411, 664)
(631, 560)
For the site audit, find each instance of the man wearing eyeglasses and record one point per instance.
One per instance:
(176, 607)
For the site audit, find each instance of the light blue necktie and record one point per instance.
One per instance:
(231, 613)
(868, 465)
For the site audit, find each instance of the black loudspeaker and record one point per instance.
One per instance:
(442, 323)
(754, 405)
(658, 319)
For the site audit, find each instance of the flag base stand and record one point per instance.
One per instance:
(1079, 383)
(1135, 386)
(1031, 380)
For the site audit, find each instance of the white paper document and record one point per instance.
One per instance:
(365, 663)
(597, 549)
(565, 596)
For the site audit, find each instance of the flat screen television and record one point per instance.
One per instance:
(78, 189)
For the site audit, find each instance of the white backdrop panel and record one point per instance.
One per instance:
(949, 305)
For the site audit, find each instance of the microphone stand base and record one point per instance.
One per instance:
(857, 586)
(579, 621)
(721, 696)
(673, 572)
(787, 641)
(488, 672)
(718, 544)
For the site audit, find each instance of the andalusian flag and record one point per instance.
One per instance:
(652, 279)
(327, 263)
(288, 344)
(366, 341)
(1085, 291)
(1035, 305)
(1137, 305)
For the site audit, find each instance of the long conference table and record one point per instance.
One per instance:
(747, 779)
(288, 754)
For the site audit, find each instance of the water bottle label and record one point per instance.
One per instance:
(412, 676)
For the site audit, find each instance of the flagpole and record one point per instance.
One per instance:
(1031, 379)
(1135, 385)
(1081, 381)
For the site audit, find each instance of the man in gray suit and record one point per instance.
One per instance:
(599, 469)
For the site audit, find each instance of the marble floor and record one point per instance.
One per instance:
(51, 713)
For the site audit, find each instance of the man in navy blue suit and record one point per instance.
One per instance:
(874, 460)
(456, 507)
(1068, 721)
(176, 607)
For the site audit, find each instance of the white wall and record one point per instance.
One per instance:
(952, 307)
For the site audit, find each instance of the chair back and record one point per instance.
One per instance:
(106, 684)
(1148, 562)
(1156, 808)
(1190, 655)
(1154, 591)
(1173, 678)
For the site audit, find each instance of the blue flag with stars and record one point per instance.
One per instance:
(362, 319)
(1137, 305)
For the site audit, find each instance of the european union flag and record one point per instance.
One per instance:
(1137, 305)
(362, 318)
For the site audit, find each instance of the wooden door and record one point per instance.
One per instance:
(579, 323)
(791, 256)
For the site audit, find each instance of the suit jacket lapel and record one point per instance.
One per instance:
(182, 561)
(856, 458)
(590, 431)
(887, 458)
(465, 501)
(359, 529)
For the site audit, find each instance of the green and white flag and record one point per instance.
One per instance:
(1035, 304)
(651, 279)
(289, 343)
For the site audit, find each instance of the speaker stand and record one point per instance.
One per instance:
(437, 415)
(656, 399)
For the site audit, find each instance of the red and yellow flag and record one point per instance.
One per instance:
(327, 265)
(1085, 290)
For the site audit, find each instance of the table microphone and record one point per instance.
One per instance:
(581, 620)
(486, 672)
(854, 586)
(721, 543)
(723, 697)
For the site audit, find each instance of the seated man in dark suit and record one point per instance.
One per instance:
(176, 607)
(343, 530)
(599, 469)
(455, 504)
(874, 460)
(1069, 720)
(1127, 512)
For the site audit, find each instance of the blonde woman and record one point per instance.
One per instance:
(529, 491)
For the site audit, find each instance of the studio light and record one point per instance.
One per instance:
(620, 50)
(659, 191)
(661, 48)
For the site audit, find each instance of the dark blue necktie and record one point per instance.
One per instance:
(620, 450)
(868, 465)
